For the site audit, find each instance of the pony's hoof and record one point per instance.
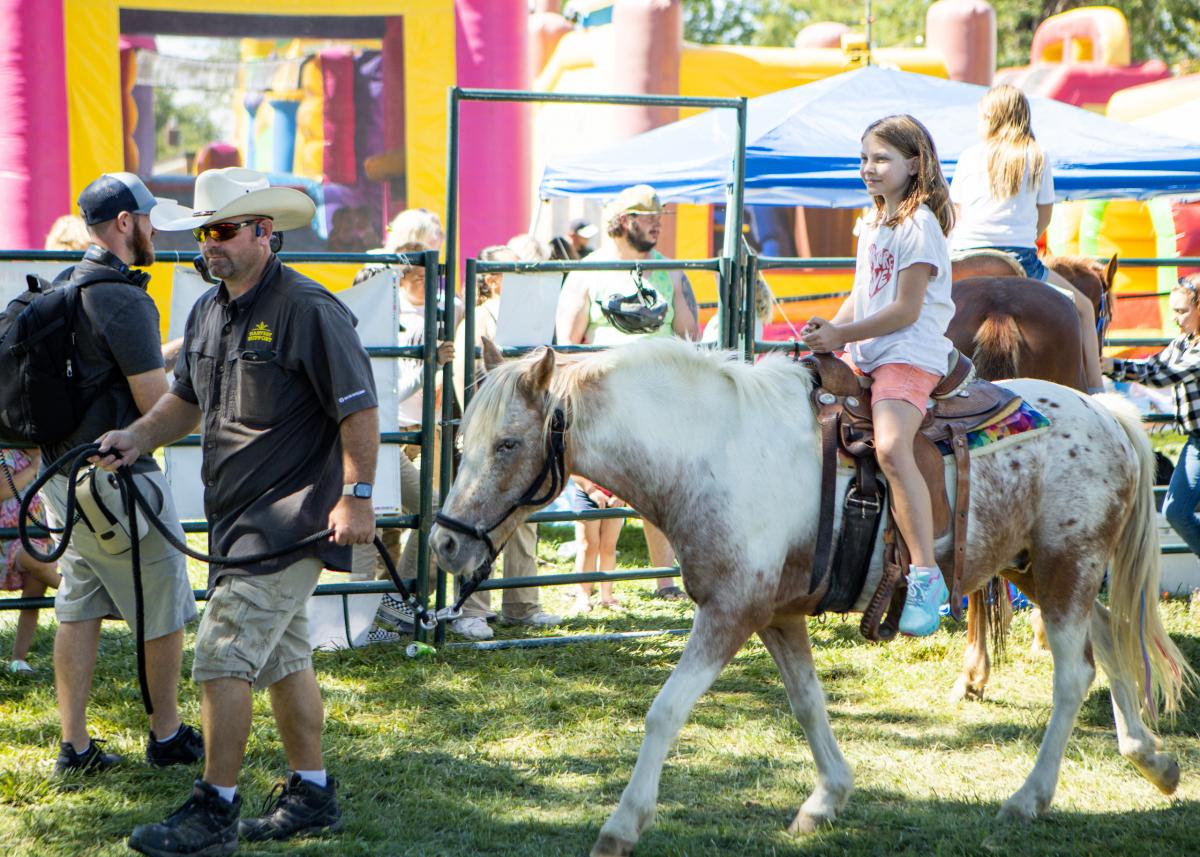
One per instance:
(964, 690)
(1166, 779)
(608, 845)
(804, 823)
(1016, 812)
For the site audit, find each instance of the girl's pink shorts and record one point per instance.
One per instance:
(904, 382)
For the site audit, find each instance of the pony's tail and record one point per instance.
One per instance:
(1144, 652)
(998, 348)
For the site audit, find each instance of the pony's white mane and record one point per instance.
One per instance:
(759, 385)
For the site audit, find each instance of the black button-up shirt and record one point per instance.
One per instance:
(274, 372)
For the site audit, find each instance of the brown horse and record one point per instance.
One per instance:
(1013, 326)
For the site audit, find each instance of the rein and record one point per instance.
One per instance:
(76, 459)
(554, 468)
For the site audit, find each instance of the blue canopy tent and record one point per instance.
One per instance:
(802, 146)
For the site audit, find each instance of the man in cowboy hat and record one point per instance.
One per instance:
(633, 220)
(120, 367)
(272, 368)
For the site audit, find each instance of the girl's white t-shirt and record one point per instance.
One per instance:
(883, 252)
(985, 221)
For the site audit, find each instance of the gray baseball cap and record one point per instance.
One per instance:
(113, 193)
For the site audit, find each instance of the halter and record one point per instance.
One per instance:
(553, 468)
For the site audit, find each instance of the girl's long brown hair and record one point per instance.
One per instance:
(1013, 156)
(928, 186)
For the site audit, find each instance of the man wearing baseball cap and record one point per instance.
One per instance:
(633, 222)
(275, 374)
(121, 377)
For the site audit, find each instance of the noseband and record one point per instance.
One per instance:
(553, 468)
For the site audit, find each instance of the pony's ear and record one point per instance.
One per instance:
(537, 377)
(491, 354)
(1110, 271)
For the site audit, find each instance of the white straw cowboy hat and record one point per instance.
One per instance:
(235, 192)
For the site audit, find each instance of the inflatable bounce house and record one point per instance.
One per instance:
(1082, 57)
(343, 99)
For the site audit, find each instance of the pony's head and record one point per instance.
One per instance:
(508, 467)
(1095, 279)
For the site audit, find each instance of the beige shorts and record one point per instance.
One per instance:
(97, 584)
(255, 626)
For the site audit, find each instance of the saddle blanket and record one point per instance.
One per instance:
(1025, 420)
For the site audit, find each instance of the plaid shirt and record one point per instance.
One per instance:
(1178, 364)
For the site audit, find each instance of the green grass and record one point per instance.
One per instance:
(526, 752)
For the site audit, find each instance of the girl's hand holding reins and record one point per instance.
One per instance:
(822, 336)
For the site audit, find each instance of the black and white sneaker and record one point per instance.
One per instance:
(381, 635)
(184, 748)
(295, 806)
(395, 615)
(90, 761)
(206, 824)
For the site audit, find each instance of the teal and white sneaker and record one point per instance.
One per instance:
(926, 593)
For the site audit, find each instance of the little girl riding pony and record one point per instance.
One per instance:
(1003, 194)
(895, 323)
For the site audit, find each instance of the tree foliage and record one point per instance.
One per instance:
(1160, 29)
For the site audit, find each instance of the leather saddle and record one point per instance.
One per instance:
(842, 401)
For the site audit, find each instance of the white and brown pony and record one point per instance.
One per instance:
(723, 456)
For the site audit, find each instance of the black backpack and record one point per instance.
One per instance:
(41, 398)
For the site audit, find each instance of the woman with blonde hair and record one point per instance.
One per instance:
(68, 233)
(415, 225)
(1003, 193)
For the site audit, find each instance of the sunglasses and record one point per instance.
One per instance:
(220, 231)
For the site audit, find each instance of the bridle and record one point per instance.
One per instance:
(553, 468)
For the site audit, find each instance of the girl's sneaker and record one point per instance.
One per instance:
(926, 593)
(21, 668)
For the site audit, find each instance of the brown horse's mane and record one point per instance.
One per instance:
(1069, 265)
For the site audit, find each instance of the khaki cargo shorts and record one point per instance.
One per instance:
(98, 585)
(255, 626)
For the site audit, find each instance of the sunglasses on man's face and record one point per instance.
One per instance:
(220, 231)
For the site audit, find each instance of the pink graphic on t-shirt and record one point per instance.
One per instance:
(883, 265)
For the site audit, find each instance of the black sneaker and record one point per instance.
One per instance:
(186, 747)
(90, 761)
(206, 826)
(294, 806)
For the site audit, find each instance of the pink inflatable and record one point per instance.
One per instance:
(494, 170)
(965, 33)
(34, 180)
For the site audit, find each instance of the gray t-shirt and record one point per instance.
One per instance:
(116, 335)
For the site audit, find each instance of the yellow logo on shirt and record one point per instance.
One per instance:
(259, 333)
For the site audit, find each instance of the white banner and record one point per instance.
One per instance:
(12, 276)
(528, 303)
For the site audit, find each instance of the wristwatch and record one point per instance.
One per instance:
(361, 490)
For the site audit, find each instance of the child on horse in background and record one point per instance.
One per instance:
(895, 323)
(1177, 365)
(1003, 195)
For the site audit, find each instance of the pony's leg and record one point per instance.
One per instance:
(714, 640)
(1073, 674)
(789, 646)
(976, 664)
(1134, 739)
